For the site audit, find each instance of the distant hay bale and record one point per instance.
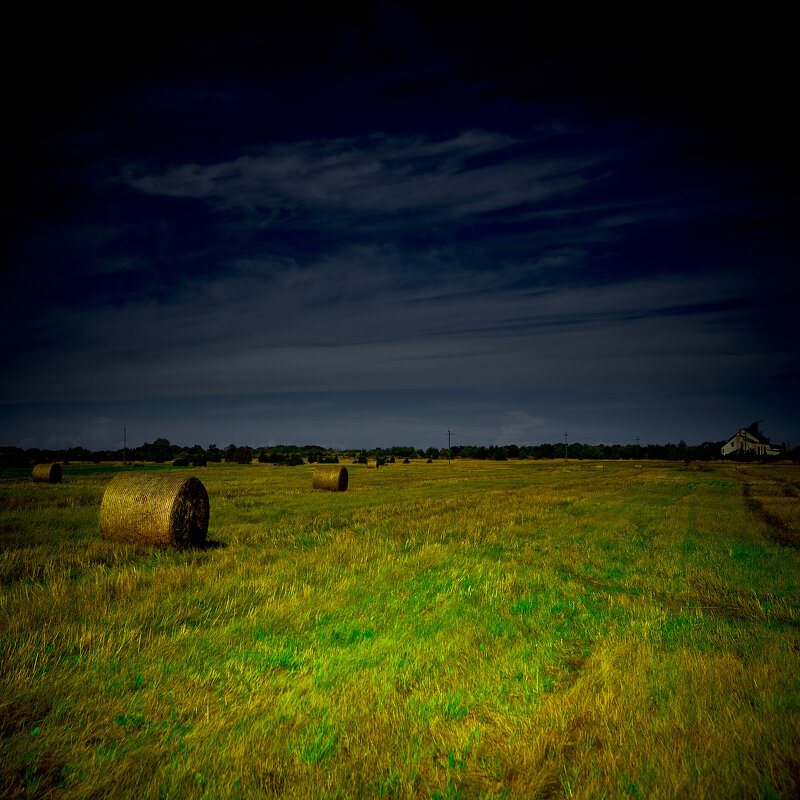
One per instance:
(47, 473)
(168, 509)
(331, 479)
(637, 466)
(372, 464)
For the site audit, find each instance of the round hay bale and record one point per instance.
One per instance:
(372, 463)
(331, 479)
(47, 473)
(168, 509)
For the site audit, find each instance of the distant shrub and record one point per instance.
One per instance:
(214, 454)
(13, 457)
(243, 455)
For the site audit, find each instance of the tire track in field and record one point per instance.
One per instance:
(705, 592)
(776, 502)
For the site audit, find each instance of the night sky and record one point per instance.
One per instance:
(361, 226)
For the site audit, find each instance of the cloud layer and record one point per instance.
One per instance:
(388, 235)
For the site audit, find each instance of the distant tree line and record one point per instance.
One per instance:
(163, 451)
(576, 450)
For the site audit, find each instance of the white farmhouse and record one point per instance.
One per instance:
(749, 440)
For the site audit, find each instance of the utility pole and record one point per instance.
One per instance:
(566, 435)
(448, 447)
(124, 445)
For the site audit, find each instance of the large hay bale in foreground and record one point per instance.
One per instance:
(167, 509)
(47, 473)
(332, 479)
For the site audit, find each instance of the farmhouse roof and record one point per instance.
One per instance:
(752, 428)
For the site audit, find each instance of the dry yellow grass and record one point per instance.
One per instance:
(506, 630)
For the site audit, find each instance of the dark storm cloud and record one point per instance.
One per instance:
(354, 322)
(362, 227)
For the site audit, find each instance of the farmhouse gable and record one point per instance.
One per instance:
(749, 440)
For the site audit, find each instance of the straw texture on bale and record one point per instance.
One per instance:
(332, 479)
(47, 473)
(165, 509)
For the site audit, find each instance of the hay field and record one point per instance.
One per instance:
(499, 630)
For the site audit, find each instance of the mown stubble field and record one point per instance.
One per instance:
(502, 630)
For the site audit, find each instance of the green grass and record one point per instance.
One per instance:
(498, 630)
